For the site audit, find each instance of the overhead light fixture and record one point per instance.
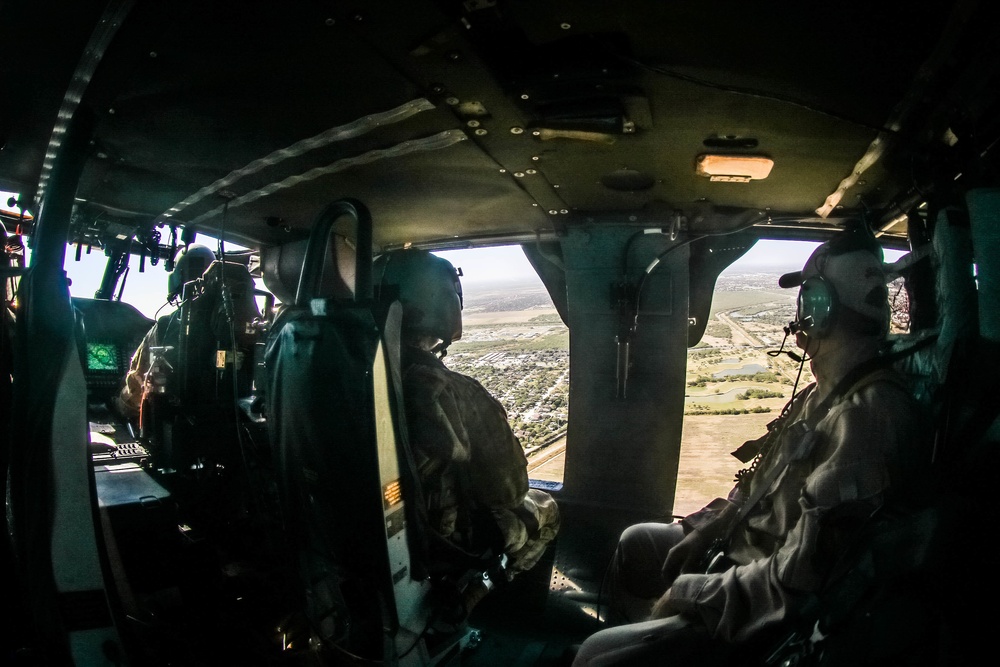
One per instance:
(733, 168)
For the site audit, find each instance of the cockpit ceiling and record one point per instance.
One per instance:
(486, 120)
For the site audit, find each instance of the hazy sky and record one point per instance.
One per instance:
(490, 264)
(147, 290)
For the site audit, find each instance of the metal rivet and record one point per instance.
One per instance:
(503, 171)
(535, 158)
(536, 133)
(564, 211)
(524, 96)
(473, 123)
(452, 101)
(518, 174)
(329, 21)
(553, 212)
(152, 54)
(530, 171)
(516, 130)
(565, 26)
(481, 132)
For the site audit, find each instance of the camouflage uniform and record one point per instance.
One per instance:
(469, 459)
(165, 332)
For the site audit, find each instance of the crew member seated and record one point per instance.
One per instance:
(848, 447)
(161, 342)
(471, 465)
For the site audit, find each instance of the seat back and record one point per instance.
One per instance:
(209, 347)
(217, 336)
(347, 487)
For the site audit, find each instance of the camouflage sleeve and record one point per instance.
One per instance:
(129, 399)
(458, 429)
(529, 530)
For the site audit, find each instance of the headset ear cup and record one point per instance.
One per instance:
(817, 304)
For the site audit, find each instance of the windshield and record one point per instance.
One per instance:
(144, 284)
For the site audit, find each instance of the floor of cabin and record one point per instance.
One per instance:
(536, 618)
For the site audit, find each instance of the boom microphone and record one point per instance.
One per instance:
(796, 326)
(791, 328)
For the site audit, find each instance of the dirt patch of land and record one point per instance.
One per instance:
(471, 319)
(706, 468)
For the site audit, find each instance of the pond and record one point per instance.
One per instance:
(746, 369)
(724, 397)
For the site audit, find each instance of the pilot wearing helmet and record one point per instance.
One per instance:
(845, 447)
(190, 264)
(471, 465)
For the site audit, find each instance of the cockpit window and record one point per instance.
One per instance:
(515, 344)
(146, 289)
(143, 286)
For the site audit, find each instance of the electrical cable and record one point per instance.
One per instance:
(781, 348)
(629, 335)
(229, 309)
(649, 270)
(659, 258)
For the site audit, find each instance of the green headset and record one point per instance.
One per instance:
(817, 307)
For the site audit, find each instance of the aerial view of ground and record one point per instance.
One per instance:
(516, 345)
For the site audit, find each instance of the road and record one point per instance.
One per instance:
(740, 335)
(547, 464)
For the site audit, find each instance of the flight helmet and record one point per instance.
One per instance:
(429, 289)
(189, 264)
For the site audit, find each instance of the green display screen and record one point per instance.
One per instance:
(102, 357)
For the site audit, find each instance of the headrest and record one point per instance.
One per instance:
(189, 264)
(282, 265)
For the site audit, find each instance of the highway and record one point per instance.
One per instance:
(547, 464)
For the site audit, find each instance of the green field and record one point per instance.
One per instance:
(726, 301)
